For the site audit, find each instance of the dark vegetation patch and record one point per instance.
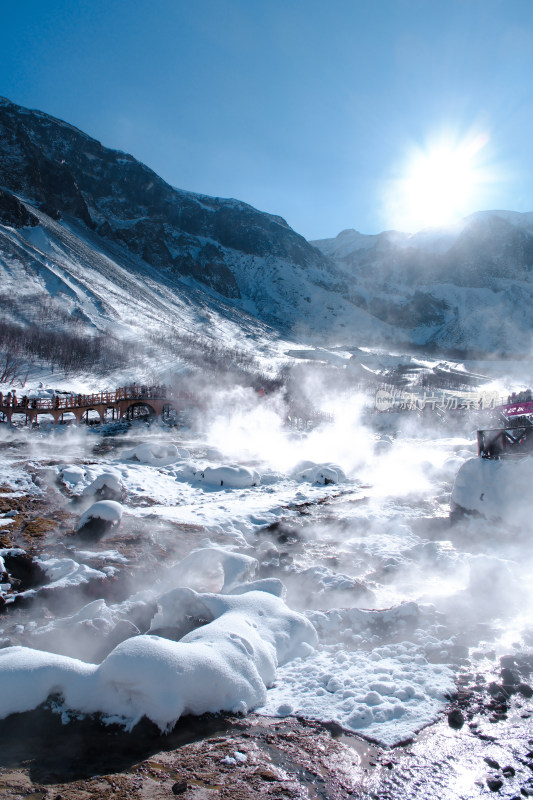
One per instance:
(65, 349)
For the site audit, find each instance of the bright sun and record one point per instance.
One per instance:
(439, 185)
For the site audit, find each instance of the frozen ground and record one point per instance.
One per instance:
(317, 575)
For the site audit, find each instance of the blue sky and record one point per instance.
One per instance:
(313, 110)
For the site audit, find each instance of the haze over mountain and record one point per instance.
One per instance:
(90, 236)
(467, 287)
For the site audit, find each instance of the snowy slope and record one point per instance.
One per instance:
(175, 243)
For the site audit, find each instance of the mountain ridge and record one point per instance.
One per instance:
(468, 288)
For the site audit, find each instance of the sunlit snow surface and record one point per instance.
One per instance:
(360, 619)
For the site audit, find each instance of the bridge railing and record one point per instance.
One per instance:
(112, 398)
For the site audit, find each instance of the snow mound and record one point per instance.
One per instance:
(108, 482)
(107, 510)
(72, 475)
(230, 477)
(496, 489)
(225, 665)
(322, 474)
(156, 454)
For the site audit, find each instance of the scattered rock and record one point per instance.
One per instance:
(179, 787)
(492, 763)
(456, 719)
(510, 678)
(508, 772)
(494, 784)
(267, 774)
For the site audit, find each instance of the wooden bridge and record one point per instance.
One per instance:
(126, 402)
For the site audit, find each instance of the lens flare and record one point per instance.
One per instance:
(440, 184)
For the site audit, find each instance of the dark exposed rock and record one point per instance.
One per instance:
(456, 719)
(494, 784)
(510, 678)
(23, 570)
(95, 529)
(508, 772)
(179, 787)
(14, 213)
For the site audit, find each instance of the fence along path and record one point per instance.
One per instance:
(158, 400)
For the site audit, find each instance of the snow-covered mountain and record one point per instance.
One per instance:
(103, 238)
(90, 237)
(468, 287)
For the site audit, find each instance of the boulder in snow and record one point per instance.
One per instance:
(100, 518)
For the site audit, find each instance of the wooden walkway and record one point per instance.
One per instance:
(125, 402)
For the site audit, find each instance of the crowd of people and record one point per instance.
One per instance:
(520, 397)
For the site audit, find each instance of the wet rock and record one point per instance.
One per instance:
(494, 784)
(456, 719)
(98, 519)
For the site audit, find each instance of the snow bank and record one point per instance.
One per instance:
(323, 474)
(225, 665)
(107, 510)
(499, 490)
(387, 694)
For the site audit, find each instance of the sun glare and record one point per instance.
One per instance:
(441, 183)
